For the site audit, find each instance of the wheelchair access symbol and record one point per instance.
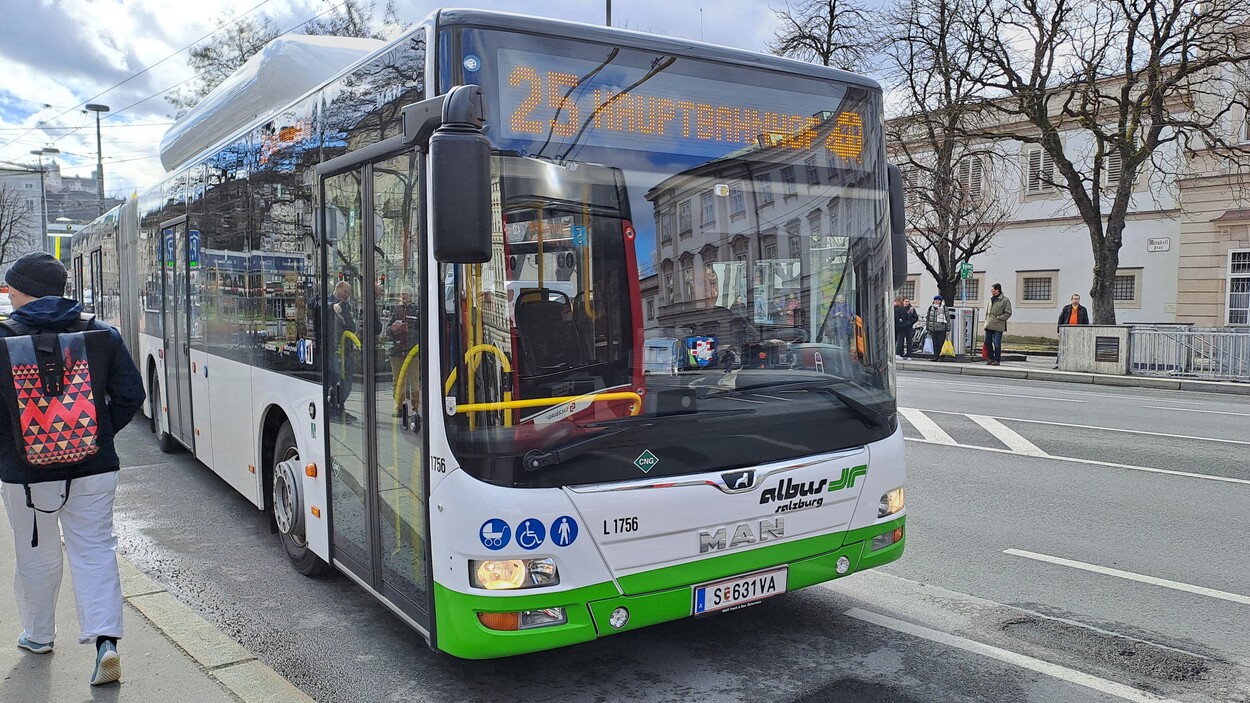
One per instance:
(495, 534)
(530, 534)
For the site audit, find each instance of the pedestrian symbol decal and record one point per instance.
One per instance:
(530, 534)
(564, 531)
(495, 534)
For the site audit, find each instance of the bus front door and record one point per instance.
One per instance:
(376, 444)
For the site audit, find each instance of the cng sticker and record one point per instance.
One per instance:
(646, 461)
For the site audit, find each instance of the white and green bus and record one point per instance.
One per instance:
(400, 299)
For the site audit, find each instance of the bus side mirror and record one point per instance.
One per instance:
(460, 203)
(898, 226)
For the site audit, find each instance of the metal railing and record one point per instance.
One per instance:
(1211, 353)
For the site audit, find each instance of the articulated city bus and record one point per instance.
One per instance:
(401, 307)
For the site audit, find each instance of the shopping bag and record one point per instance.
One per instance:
(928, 346)
(985, 350)
(948, 349)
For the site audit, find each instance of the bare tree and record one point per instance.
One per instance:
(953, 210)
(15, 216)
(828, 32)
(1105, 89)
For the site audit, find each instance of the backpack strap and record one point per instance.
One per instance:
(30, 503)
(17, 329)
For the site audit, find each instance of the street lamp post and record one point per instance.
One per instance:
(99, 155)
(43, 195)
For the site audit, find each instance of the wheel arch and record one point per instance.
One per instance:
(272, 419)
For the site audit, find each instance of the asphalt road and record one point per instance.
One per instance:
(1065, 544)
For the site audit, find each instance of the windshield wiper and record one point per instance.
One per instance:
(872, 419)
(536, 459)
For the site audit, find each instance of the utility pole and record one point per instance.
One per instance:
(609, 13)
(43, 195)
(99, 156)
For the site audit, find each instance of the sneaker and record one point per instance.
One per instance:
(108, 665)
(30, 645)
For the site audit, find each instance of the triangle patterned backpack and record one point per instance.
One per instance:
(46, 384)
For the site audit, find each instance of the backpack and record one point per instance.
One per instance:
(47, 386)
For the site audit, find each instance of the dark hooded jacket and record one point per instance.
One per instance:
(123, 388)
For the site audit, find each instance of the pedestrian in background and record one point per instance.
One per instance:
(1072, 314)
(905, 319)
(937, 322)
(996, 324)
(78, 496)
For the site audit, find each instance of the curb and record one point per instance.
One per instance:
(1098, 379)
(223, 659)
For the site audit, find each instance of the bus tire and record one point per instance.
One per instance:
(166, 440)
(288, 505)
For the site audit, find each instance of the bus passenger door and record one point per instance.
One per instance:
(373, 323)
(177, 322)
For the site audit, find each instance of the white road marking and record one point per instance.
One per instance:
(1108, 429)
(927, 427)
(1092, 394)
(1007, 436)
(1195, 410)
(1154, 581)
(1030, 397)
(1034, 664)
(1092, 462)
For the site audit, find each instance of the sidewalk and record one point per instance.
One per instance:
(204, 666)
(1041, 368)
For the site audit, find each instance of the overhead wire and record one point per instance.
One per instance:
(140, 73)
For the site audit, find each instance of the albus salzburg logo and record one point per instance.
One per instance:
(796, 495)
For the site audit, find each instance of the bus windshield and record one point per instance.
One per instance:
(690, 269)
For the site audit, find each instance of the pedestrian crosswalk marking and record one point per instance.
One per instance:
(926, 427)
(1007, 436)
(1129, 575)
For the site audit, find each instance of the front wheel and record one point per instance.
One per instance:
(288, 505)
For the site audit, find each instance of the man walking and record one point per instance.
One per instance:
(996, 324)
(38, 494)
(1072, 314)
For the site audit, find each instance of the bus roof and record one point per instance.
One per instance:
(564, 29)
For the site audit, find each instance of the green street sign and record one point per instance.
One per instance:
(965, 270)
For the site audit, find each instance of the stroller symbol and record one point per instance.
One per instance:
(495, 534)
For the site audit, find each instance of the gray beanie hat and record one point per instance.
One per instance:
(37, 274)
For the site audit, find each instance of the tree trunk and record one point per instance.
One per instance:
(1106, 263)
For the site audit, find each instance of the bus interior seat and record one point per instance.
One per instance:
(546, 332)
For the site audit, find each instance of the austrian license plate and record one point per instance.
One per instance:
(739, 590)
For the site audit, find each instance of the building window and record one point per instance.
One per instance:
(1036, 288)
(709, 209)
(1126, 288)
(787, 179)
(1039, 171)
(796, 246)
(911, 184)
(687, 280)
(1239, 287)
(737, 200)
(764, 185)
(968, 292)
(969, 174)
(684, 224)
(815, 228)
(813, 174)
(909, 289)
(650, 308)
(770, 251)
(666, 228)
(669, 291)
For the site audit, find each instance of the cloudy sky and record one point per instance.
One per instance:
(58, 55)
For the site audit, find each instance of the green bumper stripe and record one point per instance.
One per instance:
(588, 609)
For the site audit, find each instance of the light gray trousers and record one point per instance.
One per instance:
(86, 521)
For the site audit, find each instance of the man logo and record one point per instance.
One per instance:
(739, 480)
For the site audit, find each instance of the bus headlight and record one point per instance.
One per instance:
(891, 502)
(510, 574)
